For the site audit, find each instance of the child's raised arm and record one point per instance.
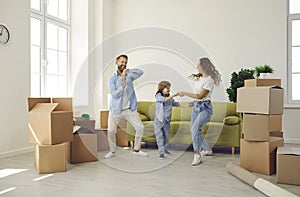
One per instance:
(170, 97)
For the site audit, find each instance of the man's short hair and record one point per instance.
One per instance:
(125, 56)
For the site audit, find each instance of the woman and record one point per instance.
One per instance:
(206, 79)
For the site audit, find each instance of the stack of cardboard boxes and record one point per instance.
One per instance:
(50, 126)
(261, 101)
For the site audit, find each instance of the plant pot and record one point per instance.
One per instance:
(263, 75)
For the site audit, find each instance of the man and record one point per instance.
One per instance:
(123, 104)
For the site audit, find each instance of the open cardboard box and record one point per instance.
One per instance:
(50, 121)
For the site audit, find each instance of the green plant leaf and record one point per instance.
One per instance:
(237, 81)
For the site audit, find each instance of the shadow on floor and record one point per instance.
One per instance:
(184, 147)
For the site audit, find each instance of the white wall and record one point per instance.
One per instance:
(15, 78)
(79, 53)
(235, 33)
(290, 125)
(89, 29)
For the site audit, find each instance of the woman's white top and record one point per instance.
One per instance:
(207, 83)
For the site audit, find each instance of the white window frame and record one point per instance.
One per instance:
(45, 18)
(42, 46)
(290, 18)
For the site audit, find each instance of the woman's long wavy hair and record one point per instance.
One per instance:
(210, 69)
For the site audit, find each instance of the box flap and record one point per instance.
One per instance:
(276, 87)
(65, 104)
(288, 151)
(44, 107)
(273, 139)
(33, 101)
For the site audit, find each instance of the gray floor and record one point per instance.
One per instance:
(128, 175)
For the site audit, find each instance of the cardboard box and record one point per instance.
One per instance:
(83, 148)
(102, 140)
(67, 150)
(104, 119)
(260, 100)
(85, 124)
(288, 165)
(260, 157)
(257, 127)
(121, 138)
(50, 158)
(50, 123)
(262, 82)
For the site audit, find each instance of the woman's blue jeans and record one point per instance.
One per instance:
(201, 114)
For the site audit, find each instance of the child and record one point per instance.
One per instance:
(164, 104)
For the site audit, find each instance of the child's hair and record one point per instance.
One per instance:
(162, 85)
(210, 69)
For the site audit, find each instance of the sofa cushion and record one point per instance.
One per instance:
(147, 108)
(222, 110)
(143, 117)
(179, 114)
(148, 129)
(231, 120)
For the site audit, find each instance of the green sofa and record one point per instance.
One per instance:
(223, 129)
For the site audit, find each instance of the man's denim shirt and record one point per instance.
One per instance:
(116, 90)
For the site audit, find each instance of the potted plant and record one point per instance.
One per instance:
(261, 71)
(237, 81)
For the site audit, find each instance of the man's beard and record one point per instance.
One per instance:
(121, 68)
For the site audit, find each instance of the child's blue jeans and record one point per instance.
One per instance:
(162, 131)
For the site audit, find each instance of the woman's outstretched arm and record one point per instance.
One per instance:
(202, 94)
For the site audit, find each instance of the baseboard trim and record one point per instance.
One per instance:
(16, 152)
(291, 141)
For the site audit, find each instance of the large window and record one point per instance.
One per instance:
(50, 30)
(294, 52)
